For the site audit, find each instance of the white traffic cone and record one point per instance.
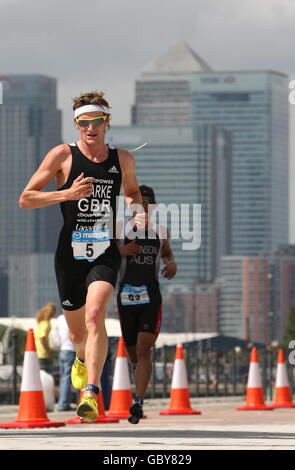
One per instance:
(283, 398)
(254, 394)
(179, 397)
(32, 410)
(121, 398)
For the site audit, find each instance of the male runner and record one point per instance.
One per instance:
(139, 297)
(88, 176)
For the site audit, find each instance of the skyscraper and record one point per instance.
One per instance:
(30, 124)
(187, 167)
(282, 292)
(32, 283)
(243, 298)
(162, 91)
(184, 164)
(254, 106)
(206, 318)
(255, 295)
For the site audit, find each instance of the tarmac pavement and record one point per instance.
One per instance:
(219, 427)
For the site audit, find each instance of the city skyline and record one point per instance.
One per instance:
(72, 137)
(253, 106)
(227, 35)
(17, 82)
(118, 53)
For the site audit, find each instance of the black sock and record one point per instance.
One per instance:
(139, 400)
(92, 388)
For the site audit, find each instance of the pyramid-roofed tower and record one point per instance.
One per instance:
(163, 87)
(178, 58)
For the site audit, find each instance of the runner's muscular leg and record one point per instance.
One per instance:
(98, 297)
(77, 329)
(131, 354)
(143, 371)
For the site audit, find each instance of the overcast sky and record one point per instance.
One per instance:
(96, 44)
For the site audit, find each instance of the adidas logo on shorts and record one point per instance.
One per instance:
(67, 303)
(113, 170)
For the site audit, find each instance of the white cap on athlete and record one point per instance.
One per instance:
(88, 108)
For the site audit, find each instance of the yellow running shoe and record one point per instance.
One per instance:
(87, 408)
(79, 374)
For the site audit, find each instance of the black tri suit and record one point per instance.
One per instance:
(87, 250)
(139, 298)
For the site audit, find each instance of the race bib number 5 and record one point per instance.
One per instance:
(88, 244)
(134, 295)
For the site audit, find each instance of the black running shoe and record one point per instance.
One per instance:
(136, 413)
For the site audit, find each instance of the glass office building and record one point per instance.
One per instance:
(30, 124)
(206, 318)
(282, 292)
(162, 91)
(243, 298)
(254, 106)
(187, 167)
(256, 294)
(32, 284)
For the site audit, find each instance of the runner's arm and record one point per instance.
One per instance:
(33, 197)
(167, 256)
(130, 187)
(128, 249)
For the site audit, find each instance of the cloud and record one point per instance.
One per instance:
(113, 40)
(105, 45)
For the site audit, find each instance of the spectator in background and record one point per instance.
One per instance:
(42, 331)
(67, 356)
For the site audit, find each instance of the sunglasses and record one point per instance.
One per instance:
(97, 121)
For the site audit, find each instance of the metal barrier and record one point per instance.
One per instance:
(9, 376)
(214, 372)
(210, 372)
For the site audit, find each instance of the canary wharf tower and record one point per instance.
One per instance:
(253, 105)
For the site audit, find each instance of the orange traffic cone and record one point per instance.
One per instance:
(282, 397)
(179, 397)
(102, 418)
(121, 398)
(32, 410)
(254, 395)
